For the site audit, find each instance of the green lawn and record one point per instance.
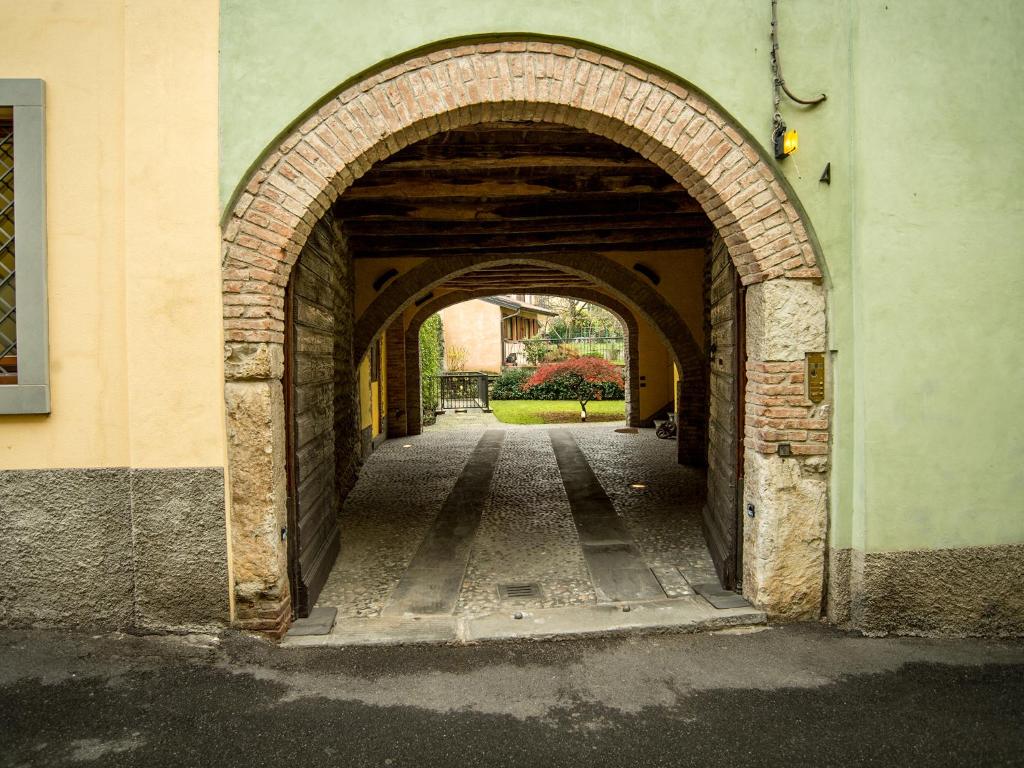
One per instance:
(556, 411)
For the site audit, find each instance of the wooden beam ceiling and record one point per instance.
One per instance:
(518, 189)
(518, 278)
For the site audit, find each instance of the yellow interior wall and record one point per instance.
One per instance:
(365, 394)
(675, 387)
(682, 282)
(380, 390)
(136, 350)
(366, 271)
(372, 395)
(656, 365)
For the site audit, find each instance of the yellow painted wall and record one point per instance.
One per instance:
(380, 400)
(682, 282)
(682, 285)
(656, 388)
(675, 387)
(365, 394)
(366, 271)
(372, 394)
(136, 351)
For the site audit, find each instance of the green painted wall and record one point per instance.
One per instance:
(923, 452)
(938, 162)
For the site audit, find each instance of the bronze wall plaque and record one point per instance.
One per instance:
(816, 376)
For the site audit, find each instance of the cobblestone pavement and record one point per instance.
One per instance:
(526, 534)
(469, 419)
(398, 495)
(664, 515)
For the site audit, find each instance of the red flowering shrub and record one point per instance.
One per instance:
(581, 376)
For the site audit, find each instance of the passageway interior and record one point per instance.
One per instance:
(471, 521)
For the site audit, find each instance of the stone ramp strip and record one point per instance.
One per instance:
(685, 614)
(616, 566)
(431, 583)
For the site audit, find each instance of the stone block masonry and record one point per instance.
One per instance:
(784, 541)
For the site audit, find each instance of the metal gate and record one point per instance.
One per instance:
(461, 391)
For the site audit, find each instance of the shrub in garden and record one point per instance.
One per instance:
(457, 358)
(511, 385)
(536, 350)
(561, 352)
(431, 357)
(583, 378)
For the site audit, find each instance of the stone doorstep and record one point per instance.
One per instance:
(318, 623)
(685, 614)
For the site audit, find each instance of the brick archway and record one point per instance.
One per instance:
(663, 120)
(411, 345)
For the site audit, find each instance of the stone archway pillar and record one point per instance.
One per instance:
(413, 383)
(396, 380)
(784, 540)
(255, 416)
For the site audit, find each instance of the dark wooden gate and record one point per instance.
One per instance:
(313, 528)
(722, 518)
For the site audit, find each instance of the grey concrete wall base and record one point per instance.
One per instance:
(951, 592)
(180, 547)
(113, 548)
(66, 546)
(837, 606)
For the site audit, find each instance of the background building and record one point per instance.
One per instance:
(476, 331)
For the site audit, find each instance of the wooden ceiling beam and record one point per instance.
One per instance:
(379, 186)
(513, 162)
(527, 207)
(372, 228)
(673, 244)
(489, 240)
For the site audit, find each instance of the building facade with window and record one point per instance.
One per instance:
(482, 333)
(164, 165)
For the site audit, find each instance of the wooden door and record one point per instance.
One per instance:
(313, 526)
(722, 518)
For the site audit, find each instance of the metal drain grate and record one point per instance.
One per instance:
(518, 591)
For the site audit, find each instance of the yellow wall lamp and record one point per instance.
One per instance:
(784, 141)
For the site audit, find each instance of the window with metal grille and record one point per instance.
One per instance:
(8, 307)
(24, 363)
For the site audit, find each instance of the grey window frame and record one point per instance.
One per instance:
(32, 392)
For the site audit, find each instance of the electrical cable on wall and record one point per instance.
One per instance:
(784, 142)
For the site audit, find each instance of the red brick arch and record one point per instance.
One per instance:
(665, 121)
(621, 313)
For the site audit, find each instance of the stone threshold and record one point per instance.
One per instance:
(683, 614)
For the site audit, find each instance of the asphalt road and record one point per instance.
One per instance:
(798, 695)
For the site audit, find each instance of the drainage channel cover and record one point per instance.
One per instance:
(720, 598)
(319, 622)
(518, 591)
